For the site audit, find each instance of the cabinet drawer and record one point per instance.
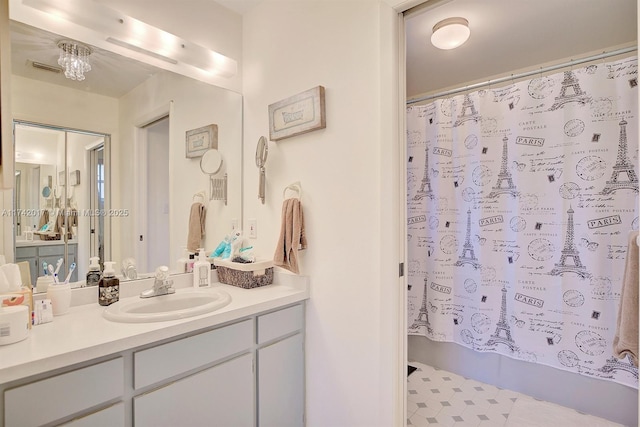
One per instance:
(221, 396)
(167, 360)
(113, 416)
(26, 252)
(279, 323)
(51, 250)
(47, 400)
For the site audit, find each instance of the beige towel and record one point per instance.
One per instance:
(625, 342)
(196, 227)
(292, 236)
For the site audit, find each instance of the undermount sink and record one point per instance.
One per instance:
(184, 303)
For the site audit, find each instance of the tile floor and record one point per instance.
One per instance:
(440, 398)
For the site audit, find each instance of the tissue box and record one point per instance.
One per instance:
(24, 296)
(247, 276)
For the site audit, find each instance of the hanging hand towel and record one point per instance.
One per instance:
(625, 340)
(196, 227)
(292, 236)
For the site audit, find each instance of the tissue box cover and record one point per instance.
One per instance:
(247, 276)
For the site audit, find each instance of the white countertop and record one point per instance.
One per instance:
(28, 243)
(84, 334)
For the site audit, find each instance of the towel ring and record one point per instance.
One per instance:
(200, 195)
(293, 187)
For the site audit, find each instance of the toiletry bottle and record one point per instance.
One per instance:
(201, 271)
(192, 260)
(181, 266)
(93, 275)
(108, 286)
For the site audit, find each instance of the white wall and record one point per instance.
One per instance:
(349, 175)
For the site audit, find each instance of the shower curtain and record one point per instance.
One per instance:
(521, 200)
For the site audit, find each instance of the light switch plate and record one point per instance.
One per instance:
(253, 228)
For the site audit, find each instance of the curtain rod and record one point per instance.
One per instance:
(525, 74)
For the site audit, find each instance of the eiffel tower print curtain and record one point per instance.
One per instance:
(521, 200)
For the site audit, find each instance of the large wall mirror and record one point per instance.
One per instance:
(102, 167)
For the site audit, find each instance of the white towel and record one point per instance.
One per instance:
(625, 341)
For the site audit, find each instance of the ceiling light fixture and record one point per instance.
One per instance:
(74, 58)
(450, 33)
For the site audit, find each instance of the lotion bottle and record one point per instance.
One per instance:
(109, 285)
(93, 275)
(201, 268)
(190, 262)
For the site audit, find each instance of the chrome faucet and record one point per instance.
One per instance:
(161, 284)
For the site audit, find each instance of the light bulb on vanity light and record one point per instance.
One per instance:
(450, 33)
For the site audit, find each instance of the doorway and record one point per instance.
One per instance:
(156, 237)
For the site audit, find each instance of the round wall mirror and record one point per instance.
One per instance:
(211, 162)
(262, 150)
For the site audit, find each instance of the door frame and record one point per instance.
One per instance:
(140, 179)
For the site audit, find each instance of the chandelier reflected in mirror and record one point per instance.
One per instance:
(74, 59)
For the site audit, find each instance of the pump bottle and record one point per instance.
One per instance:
(109, 285)
(93, 275)
(201, 268)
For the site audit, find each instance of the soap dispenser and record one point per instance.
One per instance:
(108, 286)
(201, 270)
(93, 275)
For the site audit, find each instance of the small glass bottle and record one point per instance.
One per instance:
(108, 286)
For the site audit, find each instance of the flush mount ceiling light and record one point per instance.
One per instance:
(450, 33)
(74, 58)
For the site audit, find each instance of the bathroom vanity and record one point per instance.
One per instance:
(241, 365)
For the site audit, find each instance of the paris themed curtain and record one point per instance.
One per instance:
(521, 200)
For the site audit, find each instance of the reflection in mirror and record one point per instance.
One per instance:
(145, 208)
(51, 200)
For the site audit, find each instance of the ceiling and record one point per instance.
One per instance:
(506, 36)
(510, 35)
(111, 74)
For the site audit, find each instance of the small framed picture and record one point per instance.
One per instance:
(200, 140)
(298, 114)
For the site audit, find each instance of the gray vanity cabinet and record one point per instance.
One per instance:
(246, 373)
(218, 396)
(219, 392)
(280, 366)
(36, 255)
(52, 398)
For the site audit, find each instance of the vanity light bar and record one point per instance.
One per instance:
(46, 67)
(140, 50)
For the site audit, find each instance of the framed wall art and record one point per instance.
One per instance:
(200, 140)
(298, 114)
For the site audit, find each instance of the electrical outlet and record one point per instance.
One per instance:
(253, 228)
